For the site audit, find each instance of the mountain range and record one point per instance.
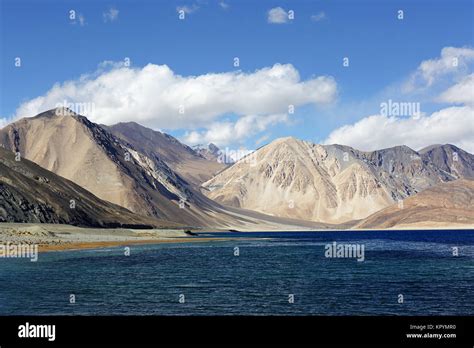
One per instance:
(30, 193)
(128, 170)
(333, 183)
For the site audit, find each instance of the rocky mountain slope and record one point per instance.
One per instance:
(192, 166)
(450, 159)
(286, 181)
(30, 193)
(327, 183)
(449, 204)
(87, 154)
(211, 152)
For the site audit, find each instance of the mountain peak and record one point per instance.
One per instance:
(210, 151)
(187, 162)
(439, 147)
(286, 140)
(56, 112)
(398, 149)
(332, 183)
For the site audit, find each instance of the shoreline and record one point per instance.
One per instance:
(57, 237)
(106, 244)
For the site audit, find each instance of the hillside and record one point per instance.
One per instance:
(192, 166)
(448, 204)
(326, 183)
(29, 193)
(87, 154)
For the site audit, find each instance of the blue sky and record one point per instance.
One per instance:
(382, 49)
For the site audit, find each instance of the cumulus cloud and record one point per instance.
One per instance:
(277, 15)
(157, 97)
(225, 133)
(460, 93)
(454, 125)
(110, 15)
(452, 60)
(318, 17)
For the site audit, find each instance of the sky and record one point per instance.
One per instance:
(359, 73)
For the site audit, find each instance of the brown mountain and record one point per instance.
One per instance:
(454, 161)
(211, 152)
(190, 165)
(116, 171)
(327, 183)
(449, 204)
(87, 154)
(30, 193)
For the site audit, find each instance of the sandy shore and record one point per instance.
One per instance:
(96, 245)
(52, 237)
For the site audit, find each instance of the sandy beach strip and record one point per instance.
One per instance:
(124, 243)
(56, 237)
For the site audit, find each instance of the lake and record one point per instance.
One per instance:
(402, 273)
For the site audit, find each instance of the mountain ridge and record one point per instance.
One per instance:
(449, 204)
(151, 172)
(75, 148)
(30, 193)
(344, 183)
(185, 161)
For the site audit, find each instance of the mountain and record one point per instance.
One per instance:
(189, 164)
(293, 178)
(87, 154)
(210, 152)
(449, 204)
(450, 159)
(288, 182)
(29, 193)
(325, 183)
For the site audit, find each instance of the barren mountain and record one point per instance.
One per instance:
(29, 193)
(116, 171)
(449, 204)
(450, 159)
(211, 152)
(189, 164)
(330, 183)
(84, 152)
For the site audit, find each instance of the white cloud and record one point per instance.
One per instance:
(318, 17)
(454, 125)
(111, 15)
(225, 133)
(3, 122)
(460, 93)
(277, 15)
(157, 97)
(187, 9)
(452, 60)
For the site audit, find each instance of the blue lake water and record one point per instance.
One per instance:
(416, 264)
